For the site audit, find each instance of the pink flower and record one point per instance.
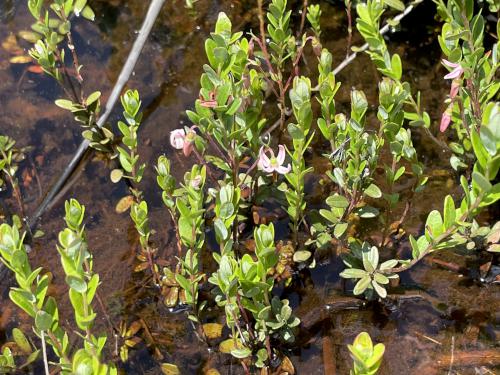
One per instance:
(456, 72)
(181, 140)
(446, 119)
(273, 164)
(455, 86)
(177, 138)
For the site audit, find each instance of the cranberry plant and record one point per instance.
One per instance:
(450, 227)
(260, 118)
(52, 40)
(366, 356)
(10, 157)
(473, 79)
(31, 295)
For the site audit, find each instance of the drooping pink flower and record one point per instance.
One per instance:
(177, 138)
(446, 119)
(273, 163)
(181, 140)
(455, 86)
(189, 142)
(456, 72)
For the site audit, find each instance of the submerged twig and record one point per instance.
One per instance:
(452, 356)
(349, 26)
(303, 18)
(383, 30)
(427, 338)
(44, 353)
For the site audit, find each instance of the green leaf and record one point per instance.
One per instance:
(21, 341)
(170, 369)
(235, 105)
(30, 36)
(38, 234)
(353, 273)
(481, 181)
(223, 24)
(337, 201)
(295, 131)
(379, 289)
(373, 191)
(367, 212)
(88, 13)
(396, 4)
(361, 285)
(449, 212)
(79, 5)
(22, 299)
(339, 230)
(479, 149)
(220, 230)
(76, 283)
(301, 256)
(434, 224)
(93, 97)
(65, 104)
(370, 258)
(221, 56)
(183, 282)
(116, 175)
(376, 358)
(43, 320)
(241, 353)
(492, 196)
(396, 66)
(339, 177)
(35, 7)
(31, 358)
(380, 278)
(391, 263)
(226, 210)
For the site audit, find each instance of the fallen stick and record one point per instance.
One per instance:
(461, 359)
(446, 265)
(470, 358)
(328, 355)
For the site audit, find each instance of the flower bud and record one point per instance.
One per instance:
(317, 47)
(446, 119)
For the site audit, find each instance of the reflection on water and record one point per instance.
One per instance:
(168, 78)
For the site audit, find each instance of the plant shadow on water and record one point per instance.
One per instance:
(417, 332)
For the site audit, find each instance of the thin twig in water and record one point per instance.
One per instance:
(349, 27)
(76, 64)
(262, 30)
(44, 353)
(427, 338)
(303, 18)
(383, 30)
(452, 358)
(37, 177)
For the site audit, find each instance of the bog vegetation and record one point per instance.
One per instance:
(251, 135)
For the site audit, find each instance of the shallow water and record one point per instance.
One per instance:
(456, 313)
